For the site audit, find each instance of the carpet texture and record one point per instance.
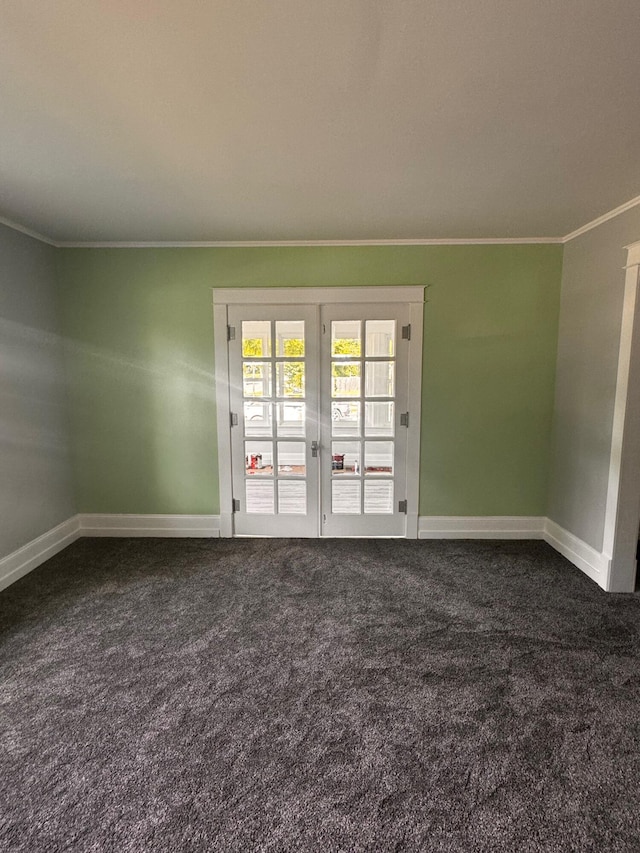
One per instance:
(336, 695)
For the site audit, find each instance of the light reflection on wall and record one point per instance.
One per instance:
(35, 492)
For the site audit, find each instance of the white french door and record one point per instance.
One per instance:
(319, 421)
(273, 373)
(364, 419)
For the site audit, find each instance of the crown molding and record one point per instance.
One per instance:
(257, 244)
(261, 244)
(15, 226)
(633, 202)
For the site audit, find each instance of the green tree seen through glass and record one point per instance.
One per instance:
(294, 372)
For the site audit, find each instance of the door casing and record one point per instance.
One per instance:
(225, 297)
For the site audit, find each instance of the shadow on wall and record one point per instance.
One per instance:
(35, 478)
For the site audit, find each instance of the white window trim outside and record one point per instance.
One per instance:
(223, 297)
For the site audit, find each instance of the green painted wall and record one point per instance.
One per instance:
(139, 334)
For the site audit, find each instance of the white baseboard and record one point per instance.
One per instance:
(480, 527)
(197, 526)
(34, 553)
(593, 563)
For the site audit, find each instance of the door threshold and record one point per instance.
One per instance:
(265, 536)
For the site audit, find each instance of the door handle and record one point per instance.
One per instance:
(315, 448)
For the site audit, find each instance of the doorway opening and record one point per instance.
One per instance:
(316, 434)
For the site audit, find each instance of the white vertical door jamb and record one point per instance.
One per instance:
(416, 319)
(223, 415)
(622, 512)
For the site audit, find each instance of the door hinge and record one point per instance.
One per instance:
(235, 505)
(406, 332)
(402, 507)
(231, 333)
(234, 419)
(404, 419)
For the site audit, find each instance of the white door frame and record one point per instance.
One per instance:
(622, 512)
(223, 297)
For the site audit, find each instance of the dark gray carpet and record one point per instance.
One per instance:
(290, 695)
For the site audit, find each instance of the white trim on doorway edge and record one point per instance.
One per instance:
(224, 298)
(623, 489)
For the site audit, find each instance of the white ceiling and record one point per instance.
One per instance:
(185, 120)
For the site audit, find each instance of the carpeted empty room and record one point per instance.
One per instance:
(339, 695)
